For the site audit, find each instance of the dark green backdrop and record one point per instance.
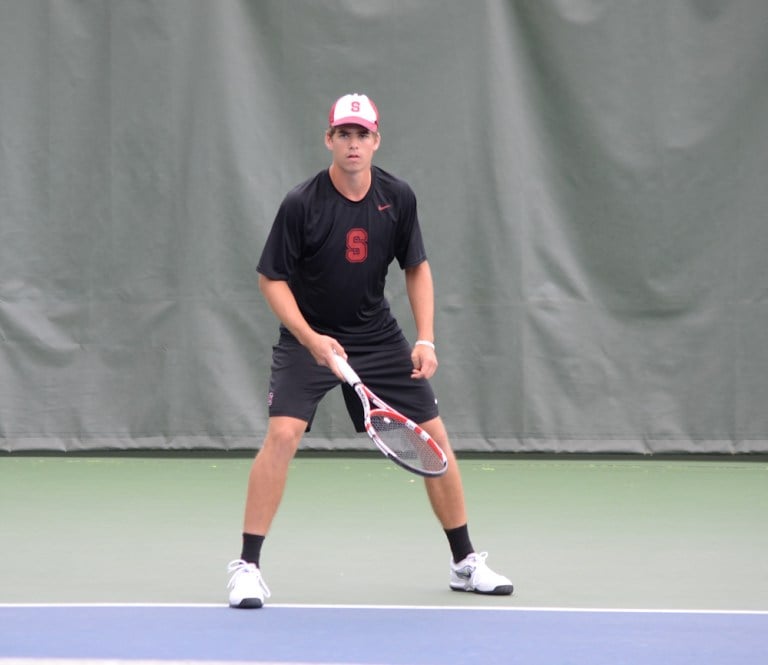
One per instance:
(592, 179)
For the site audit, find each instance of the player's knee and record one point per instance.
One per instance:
(284, 435)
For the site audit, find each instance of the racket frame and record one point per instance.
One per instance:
(368, 397)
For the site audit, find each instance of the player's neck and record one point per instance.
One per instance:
(351, 185)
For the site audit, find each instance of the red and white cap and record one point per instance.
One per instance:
(354, 110)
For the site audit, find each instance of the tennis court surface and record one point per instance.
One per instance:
(111, 558)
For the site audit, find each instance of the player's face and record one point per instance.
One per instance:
(352, 147)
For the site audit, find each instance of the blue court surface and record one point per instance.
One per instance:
(365, 635)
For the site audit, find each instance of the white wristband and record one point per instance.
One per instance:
(424, 342)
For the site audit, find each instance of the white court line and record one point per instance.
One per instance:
(399, 608)
(115, 661)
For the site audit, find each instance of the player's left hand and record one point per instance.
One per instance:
(424, 362)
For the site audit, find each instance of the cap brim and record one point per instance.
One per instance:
(354, 120)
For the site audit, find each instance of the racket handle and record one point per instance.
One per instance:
(349, 374)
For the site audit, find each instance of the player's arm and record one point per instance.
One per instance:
(281, 300)
(421, 295)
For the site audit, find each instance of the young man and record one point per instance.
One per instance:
(322, 271)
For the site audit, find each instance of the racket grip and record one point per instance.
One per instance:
(349, 374)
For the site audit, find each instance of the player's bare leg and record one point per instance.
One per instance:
(446, 492)
(266, 484)
(269, 472)
(468, 570)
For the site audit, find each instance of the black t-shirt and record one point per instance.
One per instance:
(334, 253)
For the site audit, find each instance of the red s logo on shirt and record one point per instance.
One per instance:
(357, 245)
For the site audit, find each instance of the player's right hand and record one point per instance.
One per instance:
(323, 348)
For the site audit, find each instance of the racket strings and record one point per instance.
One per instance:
(407, 444)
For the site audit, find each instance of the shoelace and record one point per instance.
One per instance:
(480, 558)
(238, 567)
(476, 559)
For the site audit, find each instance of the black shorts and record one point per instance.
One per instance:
(298, 383)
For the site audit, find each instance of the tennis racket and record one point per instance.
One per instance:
(398, 437)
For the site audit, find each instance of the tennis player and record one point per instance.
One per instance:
(322, 271)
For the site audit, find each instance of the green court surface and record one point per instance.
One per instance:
(570, 532)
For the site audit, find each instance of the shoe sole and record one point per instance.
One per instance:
(248, 604)
(504, 590)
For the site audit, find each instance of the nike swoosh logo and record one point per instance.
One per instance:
(384, 206)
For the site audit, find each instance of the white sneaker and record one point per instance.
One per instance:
(247, 587)
(473, 574)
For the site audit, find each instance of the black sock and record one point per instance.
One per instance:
(252, 548)
(458, 539)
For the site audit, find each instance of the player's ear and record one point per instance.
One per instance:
(328, 139)
(377, 141)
